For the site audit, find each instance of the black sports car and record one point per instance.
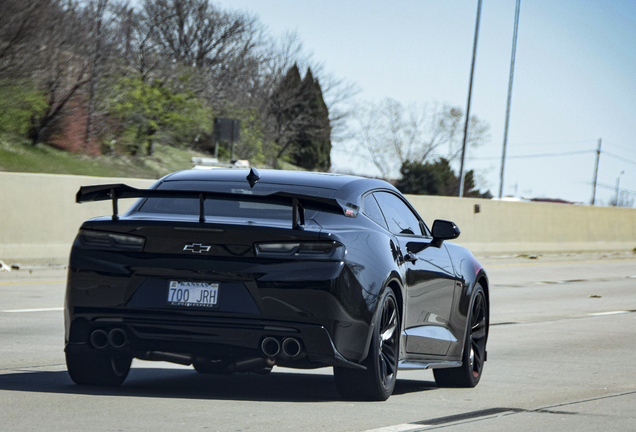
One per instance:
(237, 271)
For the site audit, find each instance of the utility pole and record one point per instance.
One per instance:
(512, 73)
(598, 156)
(460, 192)
(618, 182)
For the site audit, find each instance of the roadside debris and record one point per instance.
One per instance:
(4, 267)
(529, 256)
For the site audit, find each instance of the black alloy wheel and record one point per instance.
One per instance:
(98, 368)
(469, 374)
(378, 380)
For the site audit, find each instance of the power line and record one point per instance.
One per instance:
(620, 146)
(618, 157)
(530, 156)
(613, 187)
(537, 155)
(553, 143)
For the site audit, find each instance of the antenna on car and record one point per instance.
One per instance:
(253, 177)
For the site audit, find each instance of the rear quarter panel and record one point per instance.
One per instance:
(469, 272)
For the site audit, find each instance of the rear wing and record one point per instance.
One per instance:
(298, 202)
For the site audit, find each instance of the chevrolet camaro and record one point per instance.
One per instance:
(235, 271)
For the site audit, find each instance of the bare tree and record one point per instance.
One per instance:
(96, 16)
(134, 41)
(21, 23)
(62, 62)
(389, 134)
(218, 49)
(194, 32)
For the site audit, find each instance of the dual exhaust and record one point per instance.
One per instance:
(116, 338)
(290, 348)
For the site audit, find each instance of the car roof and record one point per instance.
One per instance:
(345, 185)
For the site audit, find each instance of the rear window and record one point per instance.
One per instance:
(217, 208)
(234, 207)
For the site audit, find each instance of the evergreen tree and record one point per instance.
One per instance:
(437, 178)
(325, 142)
(312, 143)
(284, 105)
(301, 121)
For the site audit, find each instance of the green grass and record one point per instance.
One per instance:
(15, 157)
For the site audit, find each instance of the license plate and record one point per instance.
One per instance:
(193, 294)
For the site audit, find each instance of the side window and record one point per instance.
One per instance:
(370, 208)
(398, 215)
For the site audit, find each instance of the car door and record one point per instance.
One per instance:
(429, 279)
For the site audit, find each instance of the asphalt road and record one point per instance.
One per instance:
(561, 357)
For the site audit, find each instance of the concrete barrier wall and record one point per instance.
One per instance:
(39, 220)
(520, 227)
(39, 217)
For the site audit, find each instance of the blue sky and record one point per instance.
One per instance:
(575, 77)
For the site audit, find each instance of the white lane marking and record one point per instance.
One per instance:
(608, 313)
(398, 428)
(32, 310)
(599, 261)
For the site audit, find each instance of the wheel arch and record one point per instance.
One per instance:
(483, 281)
(393, 282)
(397, 287)
(468, 298)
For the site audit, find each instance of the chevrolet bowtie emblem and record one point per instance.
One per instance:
(197, 248)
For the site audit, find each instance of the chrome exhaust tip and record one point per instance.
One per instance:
(117, 338)
(270, 346)
(99, 339)
(291, 347)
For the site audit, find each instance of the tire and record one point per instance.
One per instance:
(377, 382)
(97, 368)
(474, 356)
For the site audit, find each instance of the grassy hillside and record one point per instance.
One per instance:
(45, 159)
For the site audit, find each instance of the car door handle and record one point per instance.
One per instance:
(410, 257)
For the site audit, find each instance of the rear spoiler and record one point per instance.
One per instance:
(115, 192)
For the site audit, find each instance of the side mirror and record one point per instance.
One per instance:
(444, 230)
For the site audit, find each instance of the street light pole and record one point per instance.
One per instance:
(618, 182)
(512, 74)
(460, 191)
(598, 157)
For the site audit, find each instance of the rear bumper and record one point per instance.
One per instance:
(211, 337)
(319, 302)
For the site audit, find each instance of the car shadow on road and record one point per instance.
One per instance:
(188, 384)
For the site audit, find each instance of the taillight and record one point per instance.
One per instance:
(111, 241)
(301, 250)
